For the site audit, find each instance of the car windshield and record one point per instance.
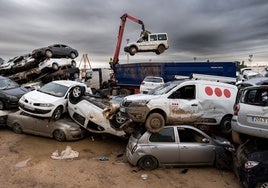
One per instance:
(54, 89)
(164, 88)
(7, 84)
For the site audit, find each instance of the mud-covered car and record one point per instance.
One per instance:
(62, 130)
(24, 62)
(55, 63)
(251, 163)
(94, 115)
(178, 145)
(50, 100)
(55, 51)
(10, 93)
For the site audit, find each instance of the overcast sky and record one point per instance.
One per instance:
(215, 30)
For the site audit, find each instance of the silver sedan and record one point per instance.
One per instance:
(178, 145)
(61, 130)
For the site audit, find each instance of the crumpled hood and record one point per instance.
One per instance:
(38, 97)
(141, 97)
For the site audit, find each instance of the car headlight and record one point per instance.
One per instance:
(250, 164)
(22, 98)
(46, 105)
(12, 97)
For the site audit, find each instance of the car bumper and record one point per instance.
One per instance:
(249, 130)
(76, 135)
(132, 158)
(43, 112)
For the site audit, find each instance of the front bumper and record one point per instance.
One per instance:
(35, 111)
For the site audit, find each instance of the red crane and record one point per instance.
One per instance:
(121, 32)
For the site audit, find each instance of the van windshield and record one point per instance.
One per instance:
(164, 88)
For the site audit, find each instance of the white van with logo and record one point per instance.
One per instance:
(197, 102)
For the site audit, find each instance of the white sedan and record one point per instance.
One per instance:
(55, 63)
(149, 83)
(50, 100)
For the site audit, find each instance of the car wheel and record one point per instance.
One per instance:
(132, 50)
(73, 63)
(57, 113)
(76, 94)
(120, 119)
(72, 55)
(262, 185)
(2, 105)
(236, 137)
(59, 135)
(160, 49)
(76, 75)
(55, 66)
(17, 128)
(155, 122)
(225, 125)
(148, 163)
(48, 53)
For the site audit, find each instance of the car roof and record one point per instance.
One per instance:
(256, 81)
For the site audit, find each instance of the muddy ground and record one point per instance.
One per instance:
(88, 170)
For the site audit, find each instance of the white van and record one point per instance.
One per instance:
(153, 42)
(181, 102)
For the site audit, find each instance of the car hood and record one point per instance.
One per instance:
(18, 91)
(141, 97)
(39, 97)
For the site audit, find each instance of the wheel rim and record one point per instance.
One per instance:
(76, 92)
(161, 49)
(57, 113)
(148, 163)
(48, 53)
(59, 135)
(120, 119)
(72, 55)
(17, 128)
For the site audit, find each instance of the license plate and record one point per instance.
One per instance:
(258, 120)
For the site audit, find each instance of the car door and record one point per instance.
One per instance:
(43, 126)
(183, 105)
(163, 146)
(57, 50)
(194, 147)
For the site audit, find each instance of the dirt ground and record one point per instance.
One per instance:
(26, 162)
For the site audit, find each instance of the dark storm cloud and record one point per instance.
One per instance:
(229, 29)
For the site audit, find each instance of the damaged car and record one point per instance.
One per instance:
(178, 146)
(55, 63)
(251, 163)
(196, 102)
(62, 130)
(94, 115)
(50, 100)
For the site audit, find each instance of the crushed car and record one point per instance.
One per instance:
(94, 115)
(50, 100)
(62, 130)
(10, 93)
(251, 163)
(196, 102)
(178, 145)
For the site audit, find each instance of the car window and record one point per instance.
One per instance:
(165, 135)
(6, 83)
(190, 135)
(162, 37)
(186, 92)
(54, 89)
(258, 97)
(153, 79)
(153, 38)
(57, 45)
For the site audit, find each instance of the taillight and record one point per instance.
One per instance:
(134, 149)
(142, 83)
(236, 109)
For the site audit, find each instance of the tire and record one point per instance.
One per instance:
(148, 163)
(48, 53)
(59, 135)
(155, 123)
(225, 125)
(2, 105)
(76, 94)
(73, 63)
(57, 113)
(55, 66)
(262, 185)
(160, 49)
(132, 50)
(76, 75)
(120, 119)
(17, 128)
(72, 55)
(236, 137)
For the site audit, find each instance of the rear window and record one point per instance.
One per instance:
(153, 79)
(165, 135)
(162, 37)
(257, 96)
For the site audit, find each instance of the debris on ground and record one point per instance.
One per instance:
(22, 163)
(68, 153)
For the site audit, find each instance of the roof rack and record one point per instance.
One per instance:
(212, 78)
